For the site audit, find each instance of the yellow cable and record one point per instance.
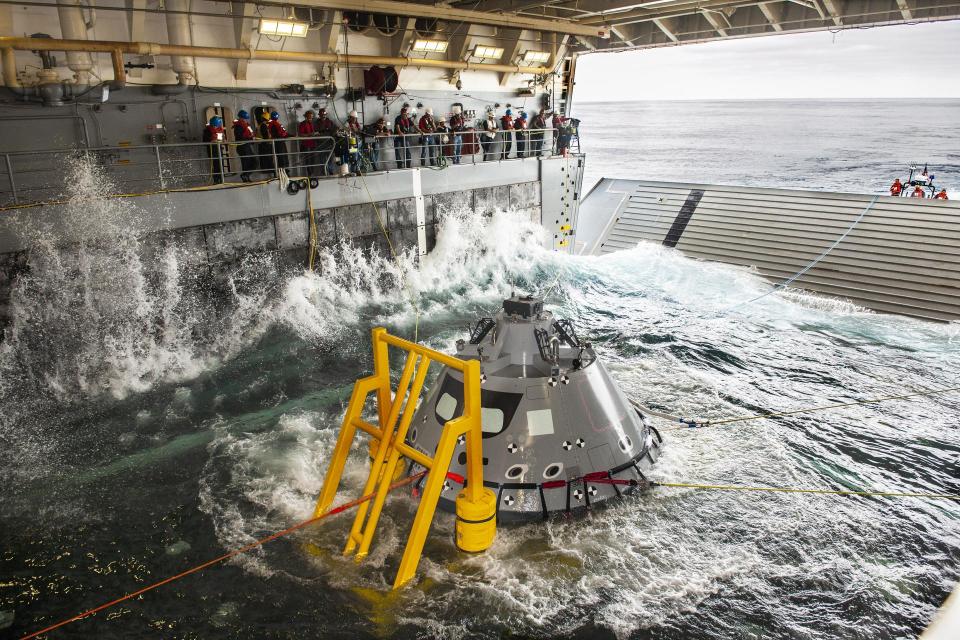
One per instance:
(715, 423)
(836, 492)
(313, 226)
(383, 228)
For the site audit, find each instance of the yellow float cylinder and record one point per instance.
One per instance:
(476, 521)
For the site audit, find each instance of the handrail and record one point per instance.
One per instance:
(476, 504)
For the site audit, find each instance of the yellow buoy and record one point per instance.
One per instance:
(476, 521)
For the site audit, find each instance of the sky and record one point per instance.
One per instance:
(903, 61)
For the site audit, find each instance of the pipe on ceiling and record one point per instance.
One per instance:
(156, 49)
(178, 32)
(74, 27)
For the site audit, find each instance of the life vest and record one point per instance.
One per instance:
(941, 196)
(427, 125)
(506, 122)
(242, 130)
(917, 193)
(213, 134)
(277, 130)
(456, 122)
(896, 188)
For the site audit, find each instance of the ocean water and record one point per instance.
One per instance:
(150, 424)
(852, 146)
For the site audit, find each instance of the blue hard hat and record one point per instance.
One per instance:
(216, 121)
(243, 114)
(932, 176)
(274, 115)
(509, 112)
(523, 114)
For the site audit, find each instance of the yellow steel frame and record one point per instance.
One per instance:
(391, 446)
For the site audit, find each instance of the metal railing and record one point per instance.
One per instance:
(44, 175)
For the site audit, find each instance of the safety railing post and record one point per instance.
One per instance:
(221, 160)
(13, 183)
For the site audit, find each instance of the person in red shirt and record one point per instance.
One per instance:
(457, 126)
(520, 129)
(428, 150)
(918, 193)
(506, 126)
(896, 188)
(942, 195)
(243, 135)
(308, 148)
(278, 133)
(351, 153)
(213, 134)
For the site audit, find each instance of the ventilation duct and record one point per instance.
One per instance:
(73, 27)
(178, 33)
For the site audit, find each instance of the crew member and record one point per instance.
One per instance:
(428, 139)
(896, 188)
(443, 137)
(538, 125)
(265, 146)
(213, 134)
(308, 148)
(942, 195)
(326, 130)
(457, 127)
(278, 134)
(520, 133)
(506, 126)
(560, 133)
(402, 126)
(488, 136)
(380, 134)
(352, 148)
(243, 135)
(918, 192)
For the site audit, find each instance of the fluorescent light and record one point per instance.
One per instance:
(430, 46)
(536, 56)
(283, 28)
(483, 51)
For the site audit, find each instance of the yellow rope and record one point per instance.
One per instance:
(313, 227)
(835, 492)
(715, 423)
(396, 258)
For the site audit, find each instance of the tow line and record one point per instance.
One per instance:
(209, 563)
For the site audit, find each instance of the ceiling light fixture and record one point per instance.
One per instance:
(269, 27)
(536, 56)
(430, 46)
(483, 51)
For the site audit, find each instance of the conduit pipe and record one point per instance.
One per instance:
(74, 27)
(156, 49)
(178, 33)
(10, 79)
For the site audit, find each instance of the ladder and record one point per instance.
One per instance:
(476, 505)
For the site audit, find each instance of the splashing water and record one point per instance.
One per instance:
(144, 414)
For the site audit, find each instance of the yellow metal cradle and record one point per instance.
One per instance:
(476, 505)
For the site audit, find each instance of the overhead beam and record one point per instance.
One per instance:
(136, 18)
(833, 12)
(772, 14)
(511, 41)
(449, 14)
(619, 33)
(403, 38)
(243, 26)
(718, 20)
(667, 30)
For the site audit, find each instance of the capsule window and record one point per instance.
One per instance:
(516, 471)
(491, 420)
(413, 435)
(626, 443)
(446, 407)
(540, 422)
(553, 470)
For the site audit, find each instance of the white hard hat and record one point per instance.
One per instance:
(456, 108)
(429, 111)
(353, 113)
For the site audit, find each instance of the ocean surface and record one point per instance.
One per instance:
(148, 425)
(853, 146)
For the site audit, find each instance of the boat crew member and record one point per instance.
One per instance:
(520, 133)
(326, 129)
(403, 126)
(308, 148)
(488, 135)
(443, 138)
(506, 126)
(538, 124)
(351, 154)
(213, 134)
(243, 134)
(277, 134)
(896, 188)
(457, 127)
(265, 146)
(918, 192)
(380, 134)
(942, 195)
(428, 139)
(556, 123)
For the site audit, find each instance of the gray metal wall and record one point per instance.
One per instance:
(902, 257)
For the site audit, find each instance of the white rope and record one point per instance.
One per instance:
(786, 283)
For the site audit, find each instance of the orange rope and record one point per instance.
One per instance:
(226, 556)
